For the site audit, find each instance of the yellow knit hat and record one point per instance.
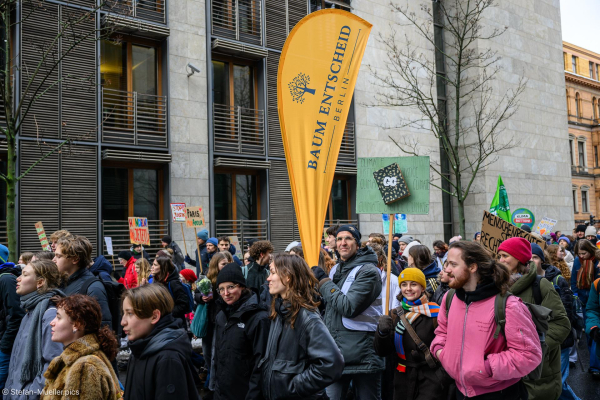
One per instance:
(412, 274)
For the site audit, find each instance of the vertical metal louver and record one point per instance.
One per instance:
(276, 23)
(275, 142)
(79, 191)
(296, 11)
(283, 223)
(39, 28)
(38, 194)
(78, 74)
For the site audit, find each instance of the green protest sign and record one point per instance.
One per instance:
(416, 174)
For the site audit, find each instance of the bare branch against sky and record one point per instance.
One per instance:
(580, 23)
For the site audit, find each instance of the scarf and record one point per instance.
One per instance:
(412, 310)
(585, 275)
(36, 305)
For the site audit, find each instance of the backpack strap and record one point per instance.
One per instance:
(500, 313)
(537, 292)
(449, 296)
(86, 285)
(596, 283)
(421, 346)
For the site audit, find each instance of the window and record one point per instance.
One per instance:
(130, 192)
(584, 199)
(130, 67)
(574, 190)
(597, 73)
(594, 107)
(236, 196)
(595, 156)
(233, 84)
(574, 63)
(581, 153)
(591, 70)
(577, 105)
(316, 5)
(339, 201)
(571, 151)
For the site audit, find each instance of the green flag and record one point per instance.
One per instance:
(500, 206)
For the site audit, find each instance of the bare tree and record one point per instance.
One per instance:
(470, 123)
(37, 80)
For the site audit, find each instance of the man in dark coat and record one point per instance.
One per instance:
(202, 267)
(178, 259)
(11, 312)
(258, 270)
(242, 329)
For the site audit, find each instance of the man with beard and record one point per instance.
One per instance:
(484, 361)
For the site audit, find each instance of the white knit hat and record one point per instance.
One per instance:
(407, 248)
(590, 231)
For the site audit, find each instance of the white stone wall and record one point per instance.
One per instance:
(188, 123)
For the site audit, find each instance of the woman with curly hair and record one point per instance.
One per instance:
(83, 370)
(142, 269)
(298, 338)
(557, 258)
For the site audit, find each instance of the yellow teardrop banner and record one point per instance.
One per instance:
(317, 73)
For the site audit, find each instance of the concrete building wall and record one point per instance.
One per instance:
(188, 123)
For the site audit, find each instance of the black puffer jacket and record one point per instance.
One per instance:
(239, 344)
(75, 285)
(11, 312)
(257, 275)
(299, 361)
(566, 296)
(180, 297)
(160, 365)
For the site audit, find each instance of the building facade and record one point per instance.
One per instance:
(183, 109)
(582, 81)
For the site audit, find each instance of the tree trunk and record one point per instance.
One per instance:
(11, 195)
(461, 219)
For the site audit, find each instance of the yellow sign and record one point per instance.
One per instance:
(194, 217)
(317, 73)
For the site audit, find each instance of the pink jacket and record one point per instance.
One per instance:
(473, 358)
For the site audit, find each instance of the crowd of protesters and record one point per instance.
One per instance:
(273, 327)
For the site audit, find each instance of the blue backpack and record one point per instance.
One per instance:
(188, 291)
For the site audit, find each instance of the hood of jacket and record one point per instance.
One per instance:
(232, 249)
(483, 291)
(10, 268)
(101, 264)
(166, 335)
(432, 271)
(173, 276)
(522, 282)
(552, 272)
(364, 255)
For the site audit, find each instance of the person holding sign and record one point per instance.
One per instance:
(202, 260)
(352, 293)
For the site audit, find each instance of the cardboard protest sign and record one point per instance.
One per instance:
(109, 247)
(238, 249)
(495, 230)
(178, 212)
(545, 225)
(39, 228)
(416, 175)
(194, 217)
(138, 231)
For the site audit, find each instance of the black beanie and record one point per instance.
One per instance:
(580, 228)
(352, 230)
(526, 228)
(125, 255)
(167, 239)
(231, 273)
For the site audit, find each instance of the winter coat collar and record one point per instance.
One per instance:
(483, 291)
(247, 302)
(432, 271)
(77, 274)
(364, 255)
(552, 272)
(522, 282)
(101, 264)
(164, 332)
(82, 347)
(10, 268)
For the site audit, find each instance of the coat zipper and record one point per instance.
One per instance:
(462, 347)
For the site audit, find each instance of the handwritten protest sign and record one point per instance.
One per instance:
(109, 246)
(194, 217)
(400, 223)
(178, 212)
(39, 227)
(138, 231)
(495, 230)
(545, 225)
(236, 243)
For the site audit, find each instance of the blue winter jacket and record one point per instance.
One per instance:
(582, 293)
(102, 268)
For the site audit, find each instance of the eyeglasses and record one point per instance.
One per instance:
(228, 288)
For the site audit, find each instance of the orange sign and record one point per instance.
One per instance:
(138, 231)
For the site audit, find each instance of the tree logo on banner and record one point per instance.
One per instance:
(299, 86)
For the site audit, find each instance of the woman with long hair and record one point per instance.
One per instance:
(298, 338)
(160, 366)
(557, 258)
(33, 348)
(167, 275)
(420, 257)
(325, 261)
(142, 268)
(83, 370)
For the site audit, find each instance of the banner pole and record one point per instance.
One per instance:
(199, 259)
(113, 260)
(183, 235)
(389, 267)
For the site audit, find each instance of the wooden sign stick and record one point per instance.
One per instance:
(183, 235)
(389, 267)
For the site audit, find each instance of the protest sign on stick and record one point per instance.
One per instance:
(109, 249)
(39, 228)
(194, 218)
(495, 230)
(138, 231)
(178, 213)
(545, 226)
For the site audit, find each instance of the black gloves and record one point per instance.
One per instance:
(595, 335)
(117, 275)
(385, 325)
(319, 273)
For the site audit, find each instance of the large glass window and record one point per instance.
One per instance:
(243, 95)
(574, 64)
(113, 67)
(220, 82)
(143, 69)
(571, 151)
(241, 202)
(584, 201)
(145, 193)
(115, 193)
(339, 201)
(129, 66)
(591, 70)
(581, 153)
(228, 76)
(575, 200)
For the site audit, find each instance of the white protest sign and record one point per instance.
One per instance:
(109, 248)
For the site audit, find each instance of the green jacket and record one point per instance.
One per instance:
(549, 386)
(356, 346)
(592, 310)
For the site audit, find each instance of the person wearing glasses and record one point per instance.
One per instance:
(242, 329)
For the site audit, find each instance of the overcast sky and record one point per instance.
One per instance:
(580, 23)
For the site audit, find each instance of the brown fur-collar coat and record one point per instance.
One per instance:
(81, 372)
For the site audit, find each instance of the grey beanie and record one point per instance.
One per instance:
(406, 239)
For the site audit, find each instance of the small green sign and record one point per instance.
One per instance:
(416, 175)
(523, 216)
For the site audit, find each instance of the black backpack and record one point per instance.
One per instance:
(114, 291)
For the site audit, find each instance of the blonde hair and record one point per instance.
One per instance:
(144, 266)
(213, 267)
(48, 271)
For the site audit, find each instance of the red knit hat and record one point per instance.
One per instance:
(189, 275)
(517, 247)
